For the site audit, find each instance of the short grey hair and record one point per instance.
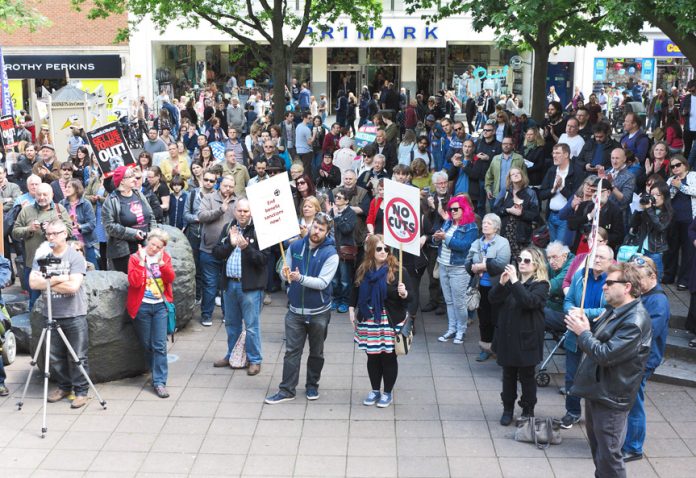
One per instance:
(160, 234)
(495, 219)
(557, 246)
(380, 156)
(439, 175)
(345, 142)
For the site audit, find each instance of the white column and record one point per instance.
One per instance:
(408, 69)
(319, 73)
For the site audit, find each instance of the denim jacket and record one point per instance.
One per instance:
(86, 219)
(460, 242)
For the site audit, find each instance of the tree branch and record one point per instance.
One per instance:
(259, 25)
(303, 27)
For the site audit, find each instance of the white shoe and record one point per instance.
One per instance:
(218, 301)
(446, 336)
(267, 299)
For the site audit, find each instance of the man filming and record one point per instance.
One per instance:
(65, 268)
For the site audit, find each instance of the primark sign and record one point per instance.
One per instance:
(56, 66)
(397, 34)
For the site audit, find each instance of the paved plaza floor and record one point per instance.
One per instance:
(444, 421)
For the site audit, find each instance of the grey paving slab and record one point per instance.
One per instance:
(444, 421)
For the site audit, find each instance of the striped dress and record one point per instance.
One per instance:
(376, 338)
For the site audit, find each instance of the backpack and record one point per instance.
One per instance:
(9, 219)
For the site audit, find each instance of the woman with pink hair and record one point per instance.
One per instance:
(454, 239)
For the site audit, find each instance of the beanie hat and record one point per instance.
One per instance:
(118, 175)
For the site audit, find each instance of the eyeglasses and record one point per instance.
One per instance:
(525, 260)
(675, 165)
(455, 209)
(610, 282)
(51, 233)
(339, 197)
(382, 249)
(208, 180)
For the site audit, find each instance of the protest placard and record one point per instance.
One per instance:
(109, 145)
(402, 216)
(7, 131)
(273, 210)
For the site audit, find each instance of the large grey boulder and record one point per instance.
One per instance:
(114, 349)
(21, 326)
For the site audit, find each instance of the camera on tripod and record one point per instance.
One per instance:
(45, 262)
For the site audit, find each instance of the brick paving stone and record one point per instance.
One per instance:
(444, 420)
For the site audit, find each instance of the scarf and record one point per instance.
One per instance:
(326, 167)
(373, 292)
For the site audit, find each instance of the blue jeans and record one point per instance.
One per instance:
(298, 329)
(454, 280)
(557, 228)
(211, 269)
(91, 256)
(316, 163)
(33, 294)
(151, 328)
(342, 283)
(243, 306)
(572, 402)
(67, 373)
(657, 259)
(635, 423)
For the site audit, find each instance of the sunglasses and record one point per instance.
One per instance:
(637, 260)
(206, 180)
(610, 282)
(487, 130)
(455, 209)
(675, 165)
(382, 249)
(458, 129)
(525, 260)
(301, 182)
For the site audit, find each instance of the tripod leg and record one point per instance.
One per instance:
(33, 362)
(80, 365)
(44, 427)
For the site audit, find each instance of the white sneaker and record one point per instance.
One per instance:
(458, 340)
(446, 336)
(218, 301)
(267, 299)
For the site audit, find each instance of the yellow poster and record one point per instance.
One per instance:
(17, 93)
(109, 88)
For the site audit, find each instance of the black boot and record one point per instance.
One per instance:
(506, 418)
(527, 410)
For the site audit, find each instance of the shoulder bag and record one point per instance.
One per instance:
(171, 309)
(403, 339)
(543, 432)
(472, 296)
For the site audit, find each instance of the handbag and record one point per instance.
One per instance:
(629, 248)
(543, 432)
(403, 339)
(472, 296)
(171, 309)
(238, 358)
(348, 253)
(541, 236)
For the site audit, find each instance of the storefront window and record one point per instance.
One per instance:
(673, 72)
(430, 70)
(384, 56)
(342, 56)
(619, 72)
(474, 68)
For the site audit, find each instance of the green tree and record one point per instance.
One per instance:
(281, 27)
(16, 14)
(540, 26)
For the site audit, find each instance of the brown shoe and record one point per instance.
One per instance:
(57, 395)
(79, 401)
(254, 369)
(221, 363)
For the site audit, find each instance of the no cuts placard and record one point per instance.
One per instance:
(402, 216)
(273, 210)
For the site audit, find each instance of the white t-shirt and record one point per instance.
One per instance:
(692, 115)
(575, 144)
(558, 200)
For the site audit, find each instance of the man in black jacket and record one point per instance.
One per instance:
(610, 218)
(243, 282)
(597, 151)
(611, 371)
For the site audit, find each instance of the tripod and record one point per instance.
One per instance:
(49, 326)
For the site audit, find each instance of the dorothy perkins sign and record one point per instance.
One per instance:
(55, 66)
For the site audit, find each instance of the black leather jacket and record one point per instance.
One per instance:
(614, 357)
(654, 226)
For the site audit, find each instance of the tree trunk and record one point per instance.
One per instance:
(541, 66)
(279, 69)
(685, 42)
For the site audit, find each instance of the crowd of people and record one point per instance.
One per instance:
(506, 211)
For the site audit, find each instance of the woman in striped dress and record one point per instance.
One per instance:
(378, 310)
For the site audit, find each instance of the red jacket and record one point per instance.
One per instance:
(137, 279)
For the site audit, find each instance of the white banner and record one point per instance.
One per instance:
(402, 216)
(273, 210)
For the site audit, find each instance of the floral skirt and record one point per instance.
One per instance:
(375, 338)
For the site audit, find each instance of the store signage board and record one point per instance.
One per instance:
(664, 47)
(273, 210)
(402, 216)
(55, 66)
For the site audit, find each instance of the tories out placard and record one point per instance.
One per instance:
(109, 145)
(7, 130)
(402, 216)
(273, 210)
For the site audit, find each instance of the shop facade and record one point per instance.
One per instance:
(419, 57)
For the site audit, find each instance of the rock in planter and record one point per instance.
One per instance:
(21, 326)
(16, 304)
(114, 349)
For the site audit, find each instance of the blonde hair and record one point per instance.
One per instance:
(160, 234)
(541, 274)
(313, 201)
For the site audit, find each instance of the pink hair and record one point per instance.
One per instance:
(465, 205)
